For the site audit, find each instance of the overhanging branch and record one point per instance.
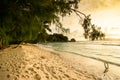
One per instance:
(76, 11)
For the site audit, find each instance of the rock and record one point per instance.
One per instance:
(72, 40)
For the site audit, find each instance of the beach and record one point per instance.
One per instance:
(93, 67)
(30, 62)
(99, 59)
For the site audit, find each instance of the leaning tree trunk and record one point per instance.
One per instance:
(1, 44)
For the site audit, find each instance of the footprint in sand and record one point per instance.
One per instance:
(32, 70)
(36, 66)
(25, 76)
(17, 75)
(27, 72)
(0, 67)
(67, 75)
(42, 57)
(7, 69)
(37, 77)
(16, 78)
(8, 76)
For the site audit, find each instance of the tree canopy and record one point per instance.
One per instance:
(25, 20)
(91, 31)
(57, 38)
(28, 20)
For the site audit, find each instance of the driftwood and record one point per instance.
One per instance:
(106, 65)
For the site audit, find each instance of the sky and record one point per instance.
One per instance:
(104, 14)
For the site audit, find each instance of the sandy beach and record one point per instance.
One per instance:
(87, 65)
(91, 66)
(29, 62)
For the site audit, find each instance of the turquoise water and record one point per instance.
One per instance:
(108, 51)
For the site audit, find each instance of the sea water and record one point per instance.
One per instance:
(103, 51)
(107, 51)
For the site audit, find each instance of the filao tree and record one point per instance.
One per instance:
(25, 20)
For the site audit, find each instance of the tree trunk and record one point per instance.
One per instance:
(1, 44)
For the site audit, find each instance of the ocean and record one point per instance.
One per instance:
(107, 51)
(103, 51)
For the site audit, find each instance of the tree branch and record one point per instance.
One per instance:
(76, 11)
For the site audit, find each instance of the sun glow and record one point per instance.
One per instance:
(108, 17)
(110, 20)
(104, 14)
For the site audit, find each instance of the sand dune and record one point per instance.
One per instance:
(28, 62)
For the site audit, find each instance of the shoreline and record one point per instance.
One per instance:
(58, 51)
(30, 62)
(90, 65)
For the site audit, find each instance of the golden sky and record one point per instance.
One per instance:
(104, 13)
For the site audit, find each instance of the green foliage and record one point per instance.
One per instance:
(96, 33)
(57, 38)
(91, 31)
(25, 20)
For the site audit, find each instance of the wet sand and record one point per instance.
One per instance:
(29, 62)
(87, 65)
(92, 67)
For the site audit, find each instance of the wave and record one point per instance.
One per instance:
(111, 44)
(107, 43)
(99, 59)
(102, 51)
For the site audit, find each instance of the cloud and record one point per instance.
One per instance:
(96, 5)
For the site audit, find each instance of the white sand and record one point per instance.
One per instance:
(28, 62)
